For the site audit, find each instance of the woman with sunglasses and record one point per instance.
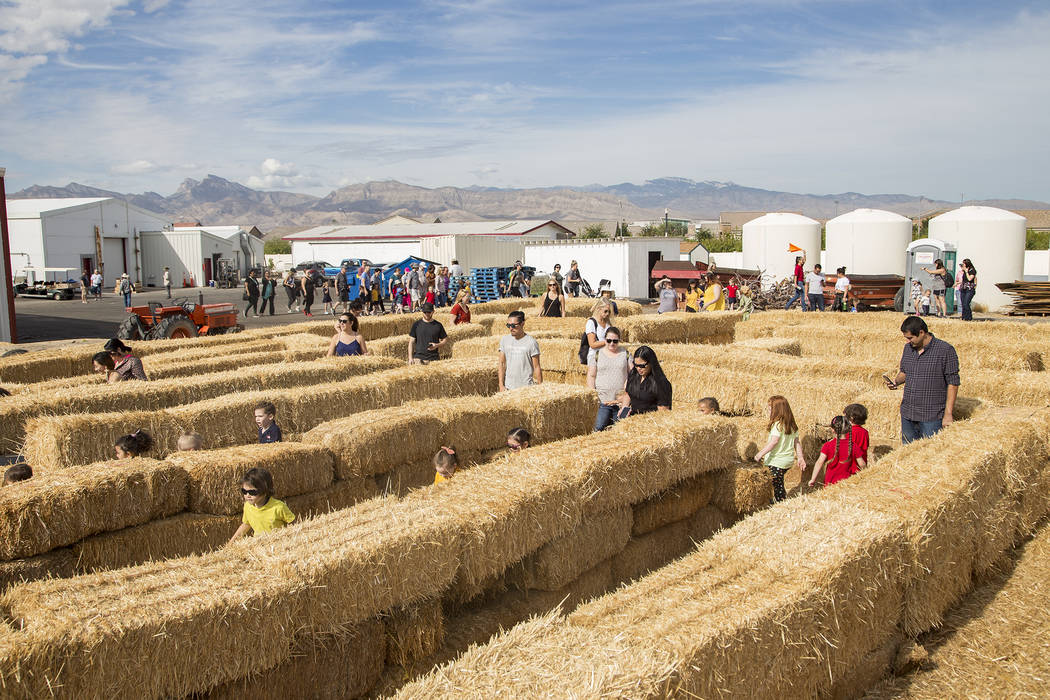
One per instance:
(553, 300)
(596, 327)
(347, 340)
(608, 375)
(647, 387)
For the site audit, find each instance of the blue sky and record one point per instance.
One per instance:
(943, 99)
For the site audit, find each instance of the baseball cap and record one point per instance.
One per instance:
(426, 307)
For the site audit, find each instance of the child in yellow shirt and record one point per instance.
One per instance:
(262, 512)
(445, 464)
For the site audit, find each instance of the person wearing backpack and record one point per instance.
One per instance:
(941, 278)
(125, 288)
(593, 338)
(608, 376)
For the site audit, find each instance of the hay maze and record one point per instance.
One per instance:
(643, 561)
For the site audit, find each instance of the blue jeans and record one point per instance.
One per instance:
(816, 302)
(912, 430)
(524, 291)
(606, 416)
(799, 296)
(127, 299)
(965, 299)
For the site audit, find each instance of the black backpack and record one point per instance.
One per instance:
(585, 345)
(949, 279)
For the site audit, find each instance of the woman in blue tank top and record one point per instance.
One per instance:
(347, 340)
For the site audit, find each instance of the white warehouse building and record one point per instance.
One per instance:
(625, 262)
(192, 253)
(79, 234)
(397, 239)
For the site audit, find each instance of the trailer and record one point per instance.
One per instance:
(54, 289)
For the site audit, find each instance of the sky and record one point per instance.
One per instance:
(942, 98)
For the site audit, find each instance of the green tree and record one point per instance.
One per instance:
(276, 246)
(656, 228)
(1036, 240)
(704, 234)
(724, 244)
(594, 231)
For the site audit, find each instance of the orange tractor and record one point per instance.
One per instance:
(181, 318)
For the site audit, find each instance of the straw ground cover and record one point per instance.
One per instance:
(994, 644)
(746, 615)
(60, 441)
(176, 391)
(714, 327)
(55, 510)
(335, 569)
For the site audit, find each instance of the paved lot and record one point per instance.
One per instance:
(48, 320)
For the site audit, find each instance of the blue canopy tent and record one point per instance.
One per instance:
(390, 269)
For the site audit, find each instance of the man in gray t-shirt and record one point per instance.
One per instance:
(519, 356)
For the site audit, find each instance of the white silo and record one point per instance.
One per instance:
(767, 240)
(868, 242)
(993, 239)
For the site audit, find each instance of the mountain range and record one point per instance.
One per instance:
(217, 201)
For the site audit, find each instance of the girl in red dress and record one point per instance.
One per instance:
(841, 456)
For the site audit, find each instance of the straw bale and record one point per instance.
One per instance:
(215, 474)
(876, 664)
(397, 345)
(45, 364)
(503, 306)
(406, 477)
(780, 346)
(331, 667)
(58, 563)
(645, 553)
(340, 495)
(176, 391)
(674, 504)
(226, 421)
(568, 327)
(556, 354)
(167, 538)
(477, 625)
(1035, 502)
(742, 489)
(714, 327)
(581, 308)
(574, 477)
(59, 509)
(994, 643)
(54, 443)
(413, 632)
(362, 446)
(315, 577)
(564, 558)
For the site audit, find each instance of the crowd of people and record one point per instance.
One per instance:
(706, 293)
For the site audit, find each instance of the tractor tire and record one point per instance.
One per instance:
(175, 327)
(898, 301)
(130, 329)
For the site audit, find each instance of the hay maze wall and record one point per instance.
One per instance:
(412, 576)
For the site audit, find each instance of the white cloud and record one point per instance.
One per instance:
(136, 167)
(45, 26)
(274, 173)
(151, 6)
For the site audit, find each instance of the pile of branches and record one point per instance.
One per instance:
(776, 297)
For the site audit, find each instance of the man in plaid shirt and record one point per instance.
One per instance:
(929, 371)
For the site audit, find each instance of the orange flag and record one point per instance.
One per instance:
(792, 248)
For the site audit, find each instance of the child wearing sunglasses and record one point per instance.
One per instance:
(262, 512)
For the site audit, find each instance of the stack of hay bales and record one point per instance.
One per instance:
(864, 568)
(65, 440)
(342, 569)
(397, 346)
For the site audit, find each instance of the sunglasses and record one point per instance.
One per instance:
(343, 320)
(513, 325)
(641, 365)
(612, 341)
(553, 286)
(249, 492)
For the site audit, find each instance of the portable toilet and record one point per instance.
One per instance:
(921, 254)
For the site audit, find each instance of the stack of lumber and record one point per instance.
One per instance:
(1030, 298)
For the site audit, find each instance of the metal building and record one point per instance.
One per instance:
(197, 253)
(626, 262)
(396, 240)
(79, 234)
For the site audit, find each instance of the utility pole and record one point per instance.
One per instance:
(666, 221)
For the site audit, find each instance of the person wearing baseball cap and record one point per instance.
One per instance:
(426, 337)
